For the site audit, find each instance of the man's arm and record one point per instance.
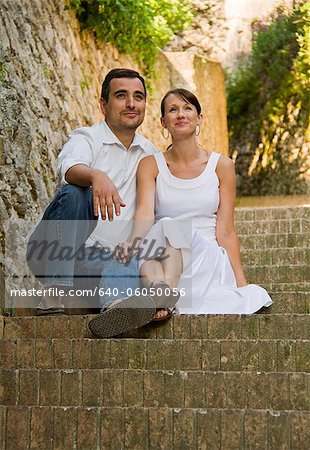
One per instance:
(74, 167)
(105, 194)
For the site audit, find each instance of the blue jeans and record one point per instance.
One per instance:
(57, 256)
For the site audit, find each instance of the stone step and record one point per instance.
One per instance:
(154, 388)
(288, 287)
(273, 226)
(267, 355)
(281, 274)
(271, 213)
(288, 303)
(276, 257)
(84, 428)
(276, 241)
(256, 326)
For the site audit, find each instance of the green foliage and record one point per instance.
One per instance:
(135, 27)
(268, 100)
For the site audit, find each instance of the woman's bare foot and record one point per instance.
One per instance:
(161, 314)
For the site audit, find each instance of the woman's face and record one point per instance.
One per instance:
(181, 118)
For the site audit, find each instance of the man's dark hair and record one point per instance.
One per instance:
(119, 73)
(186, 95)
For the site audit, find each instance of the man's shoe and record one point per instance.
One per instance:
(122, 316)
(50, 306)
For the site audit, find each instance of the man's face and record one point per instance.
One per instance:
(125, 108)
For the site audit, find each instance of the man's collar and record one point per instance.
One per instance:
(108, 137)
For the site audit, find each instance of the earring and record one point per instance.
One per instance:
(197, 131)
(163, 133)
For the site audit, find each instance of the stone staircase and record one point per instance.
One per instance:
(200, 382)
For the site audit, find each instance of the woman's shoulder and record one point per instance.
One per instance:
(148, 164)
(225, 165)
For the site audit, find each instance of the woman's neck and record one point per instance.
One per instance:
(186, 150)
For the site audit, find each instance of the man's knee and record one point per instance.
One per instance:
(71, 202)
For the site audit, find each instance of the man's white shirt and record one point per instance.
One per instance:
(98, 148)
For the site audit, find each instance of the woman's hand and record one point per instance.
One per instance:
(123, 252)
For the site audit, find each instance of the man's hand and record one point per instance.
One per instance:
(105, 195)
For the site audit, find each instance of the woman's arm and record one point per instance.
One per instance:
(145, 201)
(225, 229)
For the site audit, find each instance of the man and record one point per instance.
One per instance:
(97, 167)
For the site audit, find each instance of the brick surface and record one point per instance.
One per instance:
(87, 436)
(44, 327)
(7, 354)
(215, 390)
(169, 354)
(62, 354)
(257, 390)
(236, 390)
(28, 387)
(278, 391)
(8, 387)
(184, 429)
(278, 424)
(100, 354)
(255, 430)
(81, 354)
(19, 327)
(194, 390)
(208, 429)
(77, 326)
(181, 327)
(112, 388)
(71, 388)
(133, 388)
(250, 327)
(136, 354)
(2, 426)
(199, 327)
(112, 429)
(248, 355)
(230, 355)
(300, 430)
(50, 387)
(25, 351)
(65, 426)
(92, 387)
(43, 353)
(17, 428)
(302, 356)
(119, 353)
(174, 389)
(286, 357)
(160, 429)
(211, 355)
(267, 351)
(191, 352)
(154, 388)
(41, 434)
(299, 391)
(136, 429)
(231, 430)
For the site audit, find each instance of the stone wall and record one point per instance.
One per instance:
(50, 79)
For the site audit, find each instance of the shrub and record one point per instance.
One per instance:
(135, 27)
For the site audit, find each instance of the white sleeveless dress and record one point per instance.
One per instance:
(185, 211)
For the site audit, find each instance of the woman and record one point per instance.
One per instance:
(192, 193)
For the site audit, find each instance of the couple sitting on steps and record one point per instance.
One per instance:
(154, 231)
